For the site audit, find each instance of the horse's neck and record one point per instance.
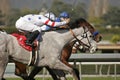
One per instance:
(72, 43)
(68, 36)
(62, 38)
(53, 40)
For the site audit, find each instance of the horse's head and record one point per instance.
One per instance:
(87, 40)
(89, 35)
(95, 34)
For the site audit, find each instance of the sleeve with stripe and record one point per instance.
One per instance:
(55, 24)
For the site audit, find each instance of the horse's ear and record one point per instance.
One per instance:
(75, 24)
(71, 25)
(82, 20)
(77, 21)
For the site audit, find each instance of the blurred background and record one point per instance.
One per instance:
(104, 15)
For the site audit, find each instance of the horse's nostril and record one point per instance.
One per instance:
(96, 49)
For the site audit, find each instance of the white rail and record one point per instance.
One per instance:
(87, 59)
(97, 59)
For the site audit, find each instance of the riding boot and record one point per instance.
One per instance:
(32, 37)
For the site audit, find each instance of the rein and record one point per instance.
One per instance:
(79, 41)
(86, 35)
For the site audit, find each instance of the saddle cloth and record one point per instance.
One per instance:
(21, 40)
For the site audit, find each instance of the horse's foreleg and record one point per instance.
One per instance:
(35, 71)
(76, 71)
(60, 74)
(60, 65)
(55, 72)
(20, 70)
(51, 71)
(3, 78)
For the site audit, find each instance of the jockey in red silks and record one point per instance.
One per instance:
(33, 23)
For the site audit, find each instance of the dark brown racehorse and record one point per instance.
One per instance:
(20, 69)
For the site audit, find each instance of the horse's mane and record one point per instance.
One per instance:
(77, 23)
(81, 22)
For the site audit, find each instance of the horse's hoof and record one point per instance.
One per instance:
(3, 78)
(30, 79)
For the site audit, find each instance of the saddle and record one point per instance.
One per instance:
(21, 38)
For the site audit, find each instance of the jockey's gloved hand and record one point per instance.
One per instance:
(67, 20)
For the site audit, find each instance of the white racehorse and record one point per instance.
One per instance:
(49, 50)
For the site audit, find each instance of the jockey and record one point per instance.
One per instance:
(62, 17)
(52, 17)
(33, 23)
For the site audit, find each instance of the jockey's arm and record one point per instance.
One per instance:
(55, 24)
(65, 26)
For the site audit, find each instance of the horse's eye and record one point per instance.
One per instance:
(91, 36)
(84, 35)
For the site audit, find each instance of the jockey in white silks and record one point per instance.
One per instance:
(34, 22)
(62, 17)
(52, 17)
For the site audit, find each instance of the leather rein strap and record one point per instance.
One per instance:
(80, 42)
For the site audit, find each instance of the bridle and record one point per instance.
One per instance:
(79, 40)
(86, 27)
(92, 30)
